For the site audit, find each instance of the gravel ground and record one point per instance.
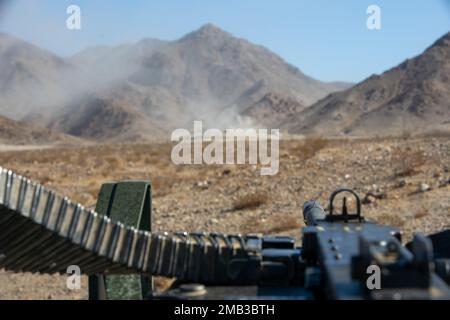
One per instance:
(406, 183)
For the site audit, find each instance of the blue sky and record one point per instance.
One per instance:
(328, 40)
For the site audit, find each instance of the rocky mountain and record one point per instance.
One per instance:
(108, 119)
(413, 97)
(272, 110)
(27, 73)
(148, 88)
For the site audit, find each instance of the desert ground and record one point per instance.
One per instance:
(405, 182)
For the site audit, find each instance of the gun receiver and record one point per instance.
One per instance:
(346, 247)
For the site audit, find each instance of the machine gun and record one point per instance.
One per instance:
(342, 255)
(336, 261)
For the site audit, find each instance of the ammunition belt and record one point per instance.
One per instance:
(42, 231)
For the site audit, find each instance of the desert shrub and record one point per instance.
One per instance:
(407, 163)
(395, 220)
(423, 212)
(250, 201)
(161, 185)
(435, 134)
(113, 161)
(282, 224)
(275, 224)
(309, 147)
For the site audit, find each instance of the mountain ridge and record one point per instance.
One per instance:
(412, 97)
(208, 74)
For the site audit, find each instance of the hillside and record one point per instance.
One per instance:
(273, 109)
(413, 97)
(29, 78)
(19, 133)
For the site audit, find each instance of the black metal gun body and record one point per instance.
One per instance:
(339, 259)
(346, 249)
